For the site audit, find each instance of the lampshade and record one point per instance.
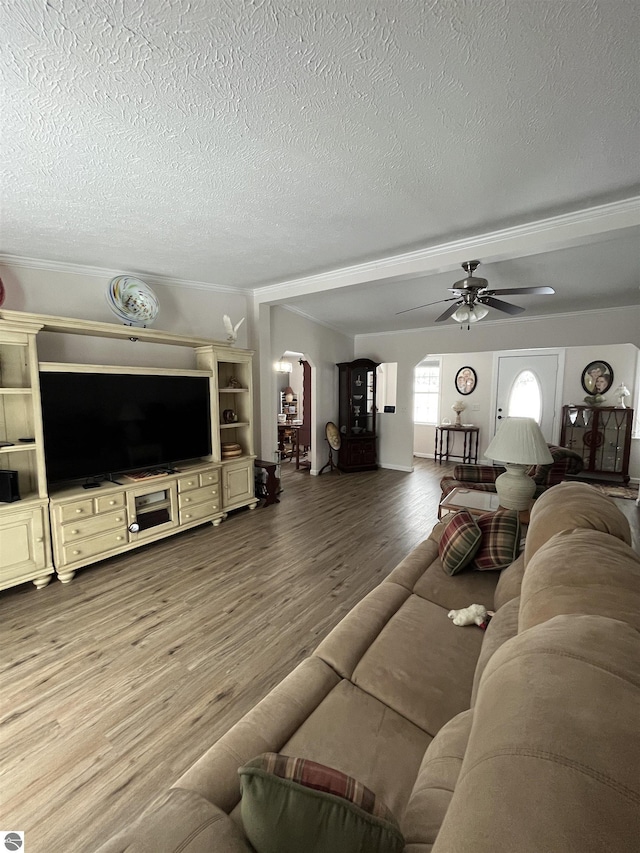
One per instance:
(284, 366)
(519, 440)
(518, 444)
(465, 314)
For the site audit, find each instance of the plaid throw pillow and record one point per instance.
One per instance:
(293, 804)
(500, 540)
(460, 540)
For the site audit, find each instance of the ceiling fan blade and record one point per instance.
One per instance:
(511, 290)
(507, 307)
(415, 308)
(446, 314)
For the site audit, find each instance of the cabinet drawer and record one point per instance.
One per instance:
(197, 496)
(209, 477)
(199, 511)
(97, 546)
(75, 510)
(85, 527)
(185, 484)
(197, 480)
(110, 502)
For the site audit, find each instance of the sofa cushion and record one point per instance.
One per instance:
(568, 506)
(554, 750)
(344, 646)
(454, 592)
(500, 543)
(421, 664)
(581, 571)
(265, 728)
(509, 583)
(364, 738)
(408, 572)
(501, 628)
(293, 804)
(436, 781)
(459, 542)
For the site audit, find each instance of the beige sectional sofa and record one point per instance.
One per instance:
(524, 738)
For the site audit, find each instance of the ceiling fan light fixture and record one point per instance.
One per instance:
(479, 312)
(465, 314)
(462, 315)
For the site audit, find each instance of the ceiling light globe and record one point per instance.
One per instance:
(461, 315)
(479, 312)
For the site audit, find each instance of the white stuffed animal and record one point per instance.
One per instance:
(475, 614)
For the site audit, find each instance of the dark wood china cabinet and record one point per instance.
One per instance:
(357, 415)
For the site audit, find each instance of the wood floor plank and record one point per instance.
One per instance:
(116, 683)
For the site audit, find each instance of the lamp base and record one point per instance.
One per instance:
(515, 488)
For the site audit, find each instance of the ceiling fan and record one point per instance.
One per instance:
(472, 296)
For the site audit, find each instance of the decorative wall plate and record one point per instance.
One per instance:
(466, 380)
(132, 300)
(597, 377)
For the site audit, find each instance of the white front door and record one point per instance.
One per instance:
(527, 386)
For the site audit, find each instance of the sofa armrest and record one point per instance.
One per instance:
(180, 822)
(477, 473)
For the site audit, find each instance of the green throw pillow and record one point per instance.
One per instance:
(459, 542)
(291, 805)
(500, 540)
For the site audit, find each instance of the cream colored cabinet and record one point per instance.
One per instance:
(90, 527)
(238, 485)
(232, 410)
(81, 526)
(25, 552)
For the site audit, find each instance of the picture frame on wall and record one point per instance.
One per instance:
(597, 377)
(466, 380)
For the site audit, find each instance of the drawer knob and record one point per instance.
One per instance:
(75, 532)
(79, 510)
(118, 519)
(186, 500)
(39, 539)
(112, 503)
(75, 553)
(187, 515)
(119, 538)
(134, 527)
(189, 482)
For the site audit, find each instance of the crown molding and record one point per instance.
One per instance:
(542, 318)
(101, 272)
(544, 235)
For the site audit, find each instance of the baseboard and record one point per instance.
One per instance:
(396, 467)
(424, 455)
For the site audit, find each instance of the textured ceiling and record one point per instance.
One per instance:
(246, 143)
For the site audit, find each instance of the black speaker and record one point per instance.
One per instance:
(9, 491)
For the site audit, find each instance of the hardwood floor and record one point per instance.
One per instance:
(114, 684)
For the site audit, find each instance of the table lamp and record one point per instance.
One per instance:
(518, 444)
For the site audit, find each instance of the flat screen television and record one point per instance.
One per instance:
(100, 424)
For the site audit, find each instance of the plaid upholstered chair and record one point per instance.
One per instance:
(483, 477)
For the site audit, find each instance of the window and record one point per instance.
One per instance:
(426, 392)
(525, 399)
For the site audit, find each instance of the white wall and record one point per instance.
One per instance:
(183, 311)
(604, 331)
(323, 348)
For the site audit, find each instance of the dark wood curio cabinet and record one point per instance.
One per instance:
(357, 415)
(602, 436)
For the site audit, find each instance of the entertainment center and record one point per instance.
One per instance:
(96, 460)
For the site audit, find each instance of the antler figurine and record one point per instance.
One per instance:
(231, 330)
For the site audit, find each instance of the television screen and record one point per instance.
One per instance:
(104, 423)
